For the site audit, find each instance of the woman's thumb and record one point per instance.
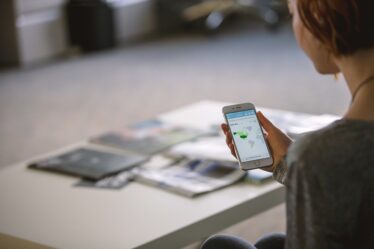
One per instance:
(268, 126)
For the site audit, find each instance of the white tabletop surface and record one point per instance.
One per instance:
(47, 209)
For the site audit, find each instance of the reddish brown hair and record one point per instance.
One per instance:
(344, 26)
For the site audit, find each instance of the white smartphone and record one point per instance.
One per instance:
(250, 145)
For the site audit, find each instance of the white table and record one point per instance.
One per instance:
(46, 209)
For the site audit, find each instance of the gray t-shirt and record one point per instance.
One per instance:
(329, 176)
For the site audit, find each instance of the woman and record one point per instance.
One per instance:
(329, 174)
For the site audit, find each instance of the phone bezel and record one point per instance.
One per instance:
(260, 163)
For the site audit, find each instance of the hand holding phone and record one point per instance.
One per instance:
(278, 141)
(249, 142)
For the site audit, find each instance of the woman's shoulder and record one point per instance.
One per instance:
(342, 142)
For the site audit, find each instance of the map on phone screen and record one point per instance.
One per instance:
(247, 134)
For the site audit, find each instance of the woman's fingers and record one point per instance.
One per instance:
(228, 135)
(224, 128)
(232, 149)
(229, 143)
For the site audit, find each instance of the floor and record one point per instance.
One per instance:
(47, 106)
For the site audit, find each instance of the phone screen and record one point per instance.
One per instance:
(247, 134)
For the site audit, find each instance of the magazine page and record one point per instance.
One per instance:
(295, 124)
(211, 148)
(192, 177)
(149, 137)
(123, 178)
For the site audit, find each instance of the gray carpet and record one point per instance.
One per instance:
(49, 106)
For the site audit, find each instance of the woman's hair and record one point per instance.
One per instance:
(344, 26)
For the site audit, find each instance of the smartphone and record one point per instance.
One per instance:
(250, 145)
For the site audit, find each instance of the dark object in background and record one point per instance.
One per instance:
(169, 14)
(211, 14)
(90, 24)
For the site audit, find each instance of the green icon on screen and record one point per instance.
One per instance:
(241, 134)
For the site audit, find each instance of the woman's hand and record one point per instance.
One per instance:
(277, 140)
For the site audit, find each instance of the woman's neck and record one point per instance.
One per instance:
(357, 69)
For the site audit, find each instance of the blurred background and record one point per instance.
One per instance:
(74, 68)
